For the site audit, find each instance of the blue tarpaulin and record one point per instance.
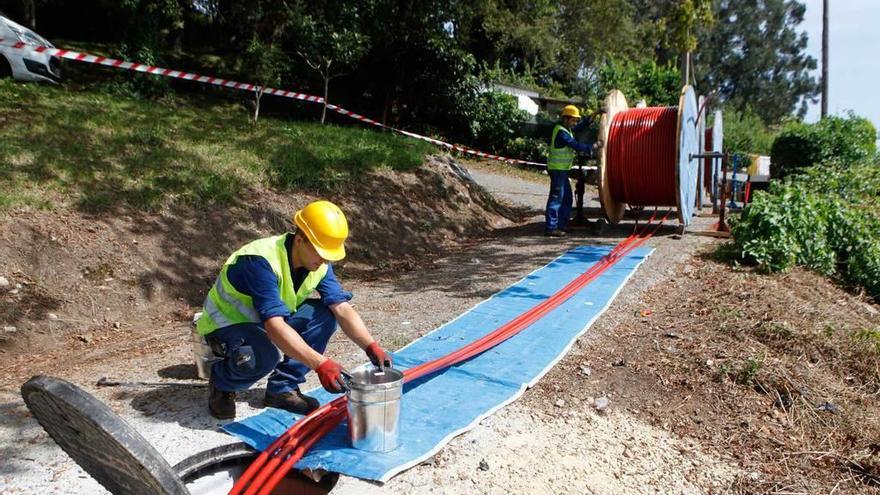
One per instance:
(438, 407)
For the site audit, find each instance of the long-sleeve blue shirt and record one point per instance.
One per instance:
(253, 276)
(564, 139)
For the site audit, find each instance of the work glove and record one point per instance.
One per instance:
(378, 356)
(330, 374)
(596, 147)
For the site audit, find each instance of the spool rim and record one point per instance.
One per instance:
(615, 103)
(685, 144)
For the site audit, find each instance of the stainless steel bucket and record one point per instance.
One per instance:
(374, 409)
(202, 354)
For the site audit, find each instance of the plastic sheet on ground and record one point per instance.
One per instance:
(437, 407)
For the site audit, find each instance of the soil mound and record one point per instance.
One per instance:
(72, 274)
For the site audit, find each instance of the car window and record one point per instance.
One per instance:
(33, 39)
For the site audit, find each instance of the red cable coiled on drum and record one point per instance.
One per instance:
(641, 153)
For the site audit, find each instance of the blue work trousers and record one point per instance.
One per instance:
(559, 201)
(249, 354)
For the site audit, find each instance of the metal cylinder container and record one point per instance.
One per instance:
(202, 354)
(374, 409)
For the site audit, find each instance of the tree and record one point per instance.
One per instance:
(593, 33)
(264, 63)
(670, 27)
(520, 36)
(331, 46)
(753, 56)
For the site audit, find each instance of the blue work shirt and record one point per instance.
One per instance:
(253, 276)
(564, 139)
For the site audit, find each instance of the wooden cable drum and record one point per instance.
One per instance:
(646, 156)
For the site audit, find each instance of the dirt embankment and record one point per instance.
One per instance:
(780, 374)
(75, 278)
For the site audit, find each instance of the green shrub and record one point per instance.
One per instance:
(833, 139)
(136, 84)
(495, 121)
(659, 85)
(824, 219)
(745, 133)
(526, 148)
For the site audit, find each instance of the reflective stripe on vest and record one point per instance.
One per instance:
(560, 158)
(226, 306)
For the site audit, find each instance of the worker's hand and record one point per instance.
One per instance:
(596, 147)
(378, 356)
(330, 374)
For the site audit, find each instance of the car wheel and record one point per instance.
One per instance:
(5, 68)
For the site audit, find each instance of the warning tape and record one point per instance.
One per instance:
(226, 83)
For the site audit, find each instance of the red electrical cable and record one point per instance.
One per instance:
(293, 444)
(321, 430)
(640, 160)
(275, 449)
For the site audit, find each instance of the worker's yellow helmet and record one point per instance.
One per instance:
(571, 111)
(325, 226)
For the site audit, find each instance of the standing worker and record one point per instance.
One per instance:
(260, 305)
(563, 147)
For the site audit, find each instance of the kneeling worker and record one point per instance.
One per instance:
(260, 304)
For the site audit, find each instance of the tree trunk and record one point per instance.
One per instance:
(29, 13)
(386, 107)
(257, 97)
(326, 92)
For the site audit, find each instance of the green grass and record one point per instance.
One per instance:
(94, 150)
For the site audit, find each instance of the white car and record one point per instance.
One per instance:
(26, 64)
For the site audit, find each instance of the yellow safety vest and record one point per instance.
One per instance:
(226, 306)
(560, 158)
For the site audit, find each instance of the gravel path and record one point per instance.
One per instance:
(525, 451)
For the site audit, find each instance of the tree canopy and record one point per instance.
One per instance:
(755, 57)
(421, 63)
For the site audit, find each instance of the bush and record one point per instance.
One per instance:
(659, 85)
(495, 121)
(832, 139)
(824, 219)
(526, 148)
(136, 84)
(745, 133)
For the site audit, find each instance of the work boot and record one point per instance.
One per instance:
(221, 404)
(293, 401)
(555, 233)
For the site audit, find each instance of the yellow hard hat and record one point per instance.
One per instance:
(571, 111)
(325, 226)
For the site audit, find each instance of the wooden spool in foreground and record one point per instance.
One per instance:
(683, 168)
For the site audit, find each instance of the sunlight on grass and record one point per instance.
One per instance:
(99, 150)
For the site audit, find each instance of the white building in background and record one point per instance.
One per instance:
(532, 102)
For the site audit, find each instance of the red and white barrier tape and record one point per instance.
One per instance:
(216, 81)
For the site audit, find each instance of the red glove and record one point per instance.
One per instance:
(330, 374)
(378, 356)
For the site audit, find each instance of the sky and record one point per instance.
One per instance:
(853, 46)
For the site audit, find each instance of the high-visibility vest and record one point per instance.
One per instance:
(560, 158)
(226, 306)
